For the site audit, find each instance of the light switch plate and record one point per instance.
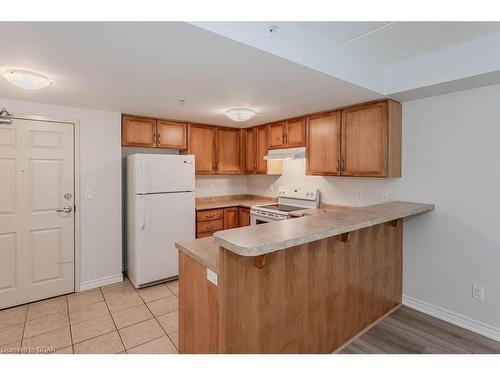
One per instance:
(89, 194)
(212, 276)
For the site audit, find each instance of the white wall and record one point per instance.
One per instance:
(220, 185)
(100, 169)
(451, 157)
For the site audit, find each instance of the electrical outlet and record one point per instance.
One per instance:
(89, 194)
(385, 196)
(359, 195)
(212, 276)
(478, 292)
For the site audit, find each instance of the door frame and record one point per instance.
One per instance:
(76, 180)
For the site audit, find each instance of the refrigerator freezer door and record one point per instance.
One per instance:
(158, 221)
(159, 173)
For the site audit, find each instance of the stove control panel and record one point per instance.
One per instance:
(298, 193)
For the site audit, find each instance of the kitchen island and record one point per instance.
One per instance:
(304, 285)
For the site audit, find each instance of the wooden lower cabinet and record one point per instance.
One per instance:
(311, 298)
(230, 217)
(244, 217)
(210, 221)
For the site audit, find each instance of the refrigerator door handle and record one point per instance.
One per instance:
(143, 222)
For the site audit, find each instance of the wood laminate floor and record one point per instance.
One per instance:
(407, 331)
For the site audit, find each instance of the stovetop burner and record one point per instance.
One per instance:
(282, 207)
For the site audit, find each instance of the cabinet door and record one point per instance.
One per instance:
(171, 134)
(231, 217)
(138, 132)
(244, 217)
(250, 148)
(364, 140)
(227, 151)
(277, 135)
(295, 135)
(201, 143)
(323, 144)
(262, 140)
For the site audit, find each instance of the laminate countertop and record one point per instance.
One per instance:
(313, 225)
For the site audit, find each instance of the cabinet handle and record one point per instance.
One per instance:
(154, 138)
(210, 227)
(211, 215)
(158, 138)
(342, 165)
(286, 139)
(338, 165)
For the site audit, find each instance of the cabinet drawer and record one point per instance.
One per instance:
(210, 215)
(210, 226)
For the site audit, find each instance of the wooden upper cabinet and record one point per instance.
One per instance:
(276, 135)
(286, 134)
(227, 151)
(201, 143)
(261, 148)
(250, 149)
(371, 140)
(171, 134)
(323, 144)
(295, 132)
(138, 131)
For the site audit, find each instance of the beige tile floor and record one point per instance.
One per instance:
(112, 319)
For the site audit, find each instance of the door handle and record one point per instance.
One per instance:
(65, 209)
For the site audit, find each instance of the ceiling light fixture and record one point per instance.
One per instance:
(26, 79)
(240, 114)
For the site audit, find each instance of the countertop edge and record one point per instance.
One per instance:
(266, 249)
(203, 261)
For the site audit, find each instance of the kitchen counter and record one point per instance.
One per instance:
(304, 285)
(204, 250)
(316, 224)
(208, 203)
(309, 225)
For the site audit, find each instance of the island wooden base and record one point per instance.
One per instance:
(311, 298)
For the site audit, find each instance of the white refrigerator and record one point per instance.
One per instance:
(160, 212)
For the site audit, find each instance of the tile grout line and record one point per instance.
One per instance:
(157, 321)
(113, 320)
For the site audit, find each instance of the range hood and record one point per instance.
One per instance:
(286, 154)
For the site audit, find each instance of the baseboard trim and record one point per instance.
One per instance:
(86, 285)
(453, 318)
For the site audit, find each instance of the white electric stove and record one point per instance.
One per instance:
(289, 200)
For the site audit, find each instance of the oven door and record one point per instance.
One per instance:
(258, 219)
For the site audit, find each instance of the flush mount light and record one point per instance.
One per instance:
(240, 114)
(26, 79)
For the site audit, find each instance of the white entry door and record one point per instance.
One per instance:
(37, 240)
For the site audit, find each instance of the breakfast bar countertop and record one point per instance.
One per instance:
(309, 225)
(315, 225)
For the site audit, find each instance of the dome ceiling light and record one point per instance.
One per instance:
(240, 114)
(26, 79)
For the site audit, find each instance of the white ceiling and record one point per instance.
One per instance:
(144, 68)
(390, 42)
